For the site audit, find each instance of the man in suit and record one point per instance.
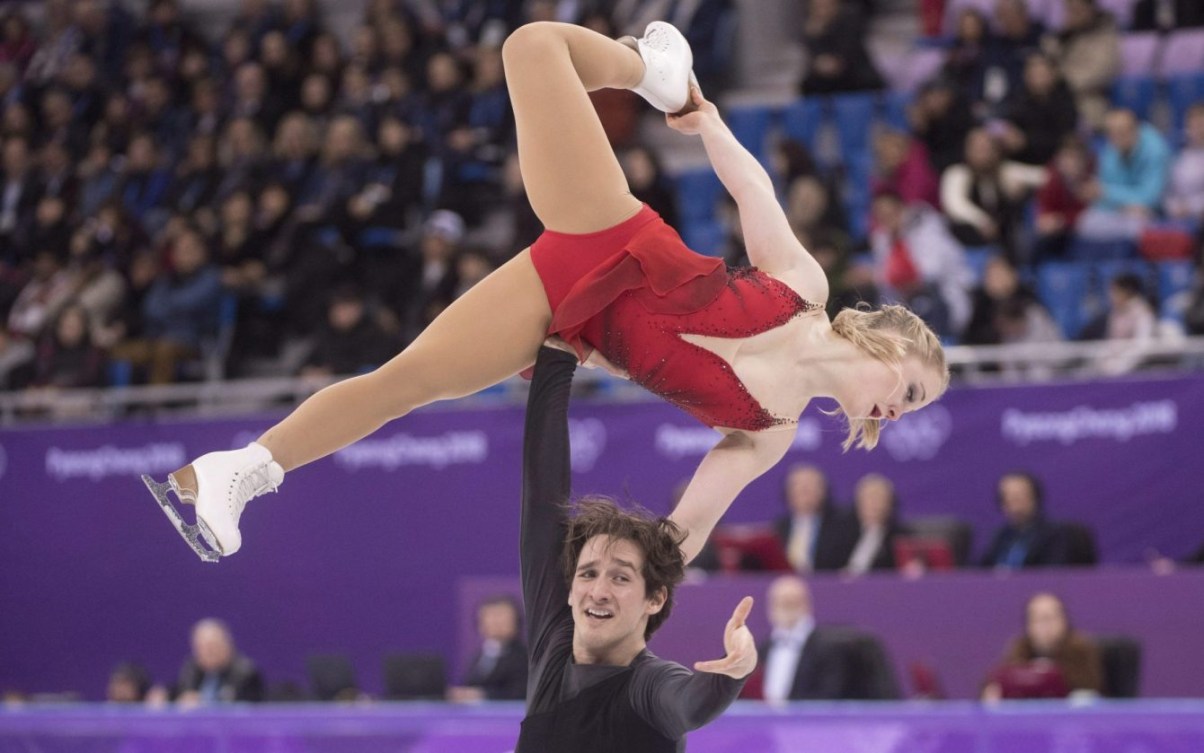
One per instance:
(1027, 538)
(499, 670)
(815, 534)
(216, 672)
(802, 660)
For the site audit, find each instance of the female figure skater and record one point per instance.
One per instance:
(742, 350)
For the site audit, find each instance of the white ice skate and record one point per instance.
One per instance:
(224, 483)
(668, 64)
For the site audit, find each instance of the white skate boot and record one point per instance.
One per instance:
(668, 64)
(219, 484)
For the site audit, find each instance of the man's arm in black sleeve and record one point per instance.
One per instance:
(546, 487)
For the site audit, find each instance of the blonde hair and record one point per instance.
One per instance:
(889, 334)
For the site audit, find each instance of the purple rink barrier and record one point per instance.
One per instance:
(360, 553)
(956, 623)
(1026, 727)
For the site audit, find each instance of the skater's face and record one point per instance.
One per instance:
(891, 391)
(609, 601)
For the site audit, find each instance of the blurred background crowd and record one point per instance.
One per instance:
(272, 198)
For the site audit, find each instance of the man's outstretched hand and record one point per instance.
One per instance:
(741, 657)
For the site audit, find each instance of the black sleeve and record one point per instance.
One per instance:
(546, 486)
(675, 700)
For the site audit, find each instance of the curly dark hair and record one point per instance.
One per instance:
(657, 537)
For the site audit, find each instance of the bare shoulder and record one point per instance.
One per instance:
(807, 279)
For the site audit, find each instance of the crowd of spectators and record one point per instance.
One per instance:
(275, 199)
(1021, 146)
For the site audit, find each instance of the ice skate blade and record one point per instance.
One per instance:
(192, 534)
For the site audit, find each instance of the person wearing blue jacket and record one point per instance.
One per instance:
(1134, 166)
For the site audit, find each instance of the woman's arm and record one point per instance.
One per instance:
(770, 241)
(725, 471)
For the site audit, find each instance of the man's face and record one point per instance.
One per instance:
(805, 490)
(211, 649)
(1017, 500)
(608, 600)
(1122, 130)
(788, 602)
(497, 622)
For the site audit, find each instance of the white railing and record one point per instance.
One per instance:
(977, 365)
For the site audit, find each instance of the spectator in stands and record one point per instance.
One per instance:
(984, 195)
(1087, 51)
(969, 58)
(17, 43)
(1131, 325)
(1049, 642)
(144, 181)
(194, 185)
(339, 173)
(129, 683)
(834, 37)
(499, 670)
(352, 341)
(1027, 538)
(902, 166)
(1167, 15)
(940, 117)
(19, 192)
(216, 672)
(649, 183)
(1039, 115)
(1026, 323)
(179, 310)
(875, 505)
(1185, 194)
(815, 533)
(236, 250)
(475, 151)
(67, 358)
(803, 661)
(294, 152)
(34, 309)
(1193, 316)
(1000, 286)
(1018, 35)
(436, 279)
(917, 261)
(850, 280)
(1069, 189)
(1133, 169)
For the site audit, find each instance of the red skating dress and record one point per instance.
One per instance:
(633, 290)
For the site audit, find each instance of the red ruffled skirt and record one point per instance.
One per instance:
(642, 257)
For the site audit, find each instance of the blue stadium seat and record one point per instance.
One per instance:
(801, 121)
(894, 110)
(1082, 249)
(704, 236)
(857, 199)
(1174, 283)
(1106, 271)
(750, 126)
(1184, 91)
(854, 118)
(697, 193)
(1064, 288)
(977, 258)
(1136, 93)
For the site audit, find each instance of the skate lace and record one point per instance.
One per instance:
(251, 483)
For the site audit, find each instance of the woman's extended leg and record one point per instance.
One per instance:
(573, 180)
(490, 333)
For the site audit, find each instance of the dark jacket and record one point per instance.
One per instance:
(823, 667)
(506, 680)
(1042, 543)
(240, 681)
(834, 541)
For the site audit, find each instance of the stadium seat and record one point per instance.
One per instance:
(854, 114)
(1120, 657)
(957, 533)
(750, 126)
(704, 236)
(1174, 288)
(1135, 93)
(1081, 550)
(1063, 287)
(697, 193)
(894, 110)
(331, 677)
(1138, 53)
(1082, 249)
(1182, 53)
(977, 257)
(415, 677)
(801, 121)
(1183, 91)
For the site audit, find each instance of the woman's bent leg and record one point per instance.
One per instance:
(490, 333)
(573, 180)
